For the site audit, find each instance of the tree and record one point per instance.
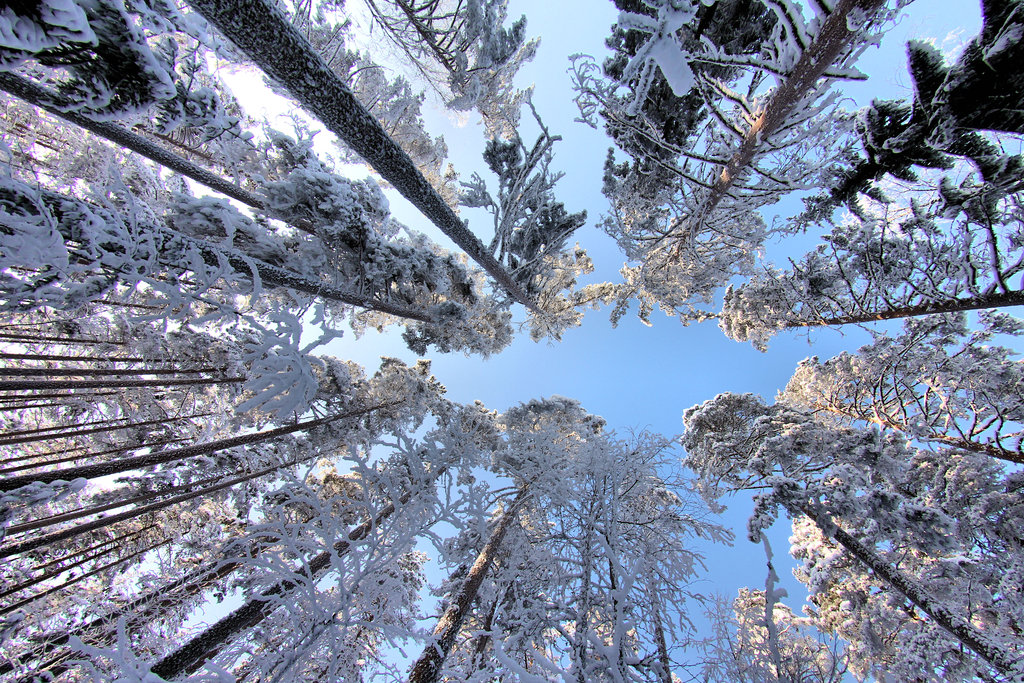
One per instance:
(854, 486)
(257, 26)
(463, 51)
(694, 226)
(940, 381)
(739, 648)
(932, 243)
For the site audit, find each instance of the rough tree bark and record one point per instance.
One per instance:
(277, 48)
(428, 666)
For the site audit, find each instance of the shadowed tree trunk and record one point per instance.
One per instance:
(428, 666)
(140, 461)
(204, 646)
(277, 48)
(968, 635)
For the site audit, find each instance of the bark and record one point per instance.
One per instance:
(71, 384)
(94, 430)
(97, 372)
(973, 303)
(204, 646)
(835, 36)
(57, 461)
(149, 460)
(53, 573)
(168, 244)
(102, 522)
(665, 674)
(50, 591)
(277, 48)
(35, 95)
(1005, 662)
(428, 667)
(96, 509)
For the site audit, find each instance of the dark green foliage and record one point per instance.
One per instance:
(953, 106)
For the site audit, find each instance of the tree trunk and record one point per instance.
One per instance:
(84, 456)
(98, 372)
(974, 303)
(50, 591)
(1005, 662)
(204, 646)
(95, 510)
(72, 384)
(35, 95)
(428, 666)
(102, 522)
(140, 461)
(283, 54)
(4, 441)
(53, 573)
(828, 45)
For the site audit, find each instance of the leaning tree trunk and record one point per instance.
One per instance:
(140, 461)
(104, 522)
(428, 666)
(1005, 662)
(168, 244)
(277, 48)
(828, 45)
(954, 305)
(204, 646)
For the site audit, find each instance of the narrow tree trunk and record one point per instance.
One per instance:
(833, 37)
(83, 359)
(428, 666)
(140, 461)
(83, 554)
(95, 510)
(277, 48)
(1005, 662)
(665, 674)
(98, 372)
(35, 95)
(973, 303)
(204, 646)
(72, 384)
(73, 458)
(4, 441)
(103, 522)
(50, 591)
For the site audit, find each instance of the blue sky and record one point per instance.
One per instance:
(640, 377)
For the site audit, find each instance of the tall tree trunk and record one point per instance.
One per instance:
(277, 48)
(428, 666)
(82, 577)
(833, 37)
(96, 509)
(204, 646)
(84, 456)
(973, 303)
(665, 663)
(98, 372)
(103, 522)
(140, 461)
(974, 640)
(72, 384)
(4, 441)
(40, 97)
(80, 558)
